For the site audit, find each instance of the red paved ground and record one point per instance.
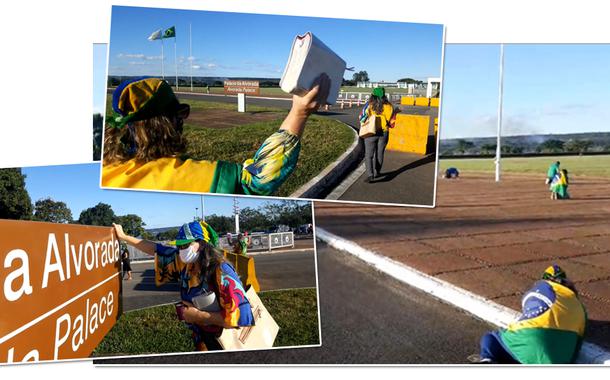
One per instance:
(495, 239)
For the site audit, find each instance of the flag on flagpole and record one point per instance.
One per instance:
(156, 35)
(169, 32)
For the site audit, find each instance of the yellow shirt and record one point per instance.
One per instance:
(171, 174)
(385, 115)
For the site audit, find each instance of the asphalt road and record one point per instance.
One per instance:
(367, 318)
(274, 271)
(406, 178)
(284, 270)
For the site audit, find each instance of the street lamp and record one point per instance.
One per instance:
(196, 213)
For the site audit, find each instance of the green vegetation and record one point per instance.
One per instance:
(15, 202)
(157, 330)
(323, 142)
(48, 210)
(593, 166)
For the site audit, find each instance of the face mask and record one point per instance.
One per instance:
(188, 255)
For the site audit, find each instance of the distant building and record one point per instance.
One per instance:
(431, 89)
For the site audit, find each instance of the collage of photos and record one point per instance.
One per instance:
(279, 194)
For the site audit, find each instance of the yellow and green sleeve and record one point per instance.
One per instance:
(271, 165)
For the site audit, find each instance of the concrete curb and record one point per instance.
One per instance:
(342, 187)
(328, 178)
(480, 307)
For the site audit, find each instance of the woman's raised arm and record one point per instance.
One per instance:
(143, 245)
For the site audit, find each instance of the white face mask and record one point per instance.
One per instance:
(189, 255)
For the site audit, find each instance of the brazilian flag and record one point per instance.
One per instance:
(551, 328)
(169, 32)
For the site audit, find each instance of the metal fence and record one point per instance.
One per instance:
(349, 99)
(257, 242)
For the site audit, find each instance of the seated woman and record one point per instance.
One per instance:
(550, 329)
(201, 271)
(559, 185)
(144, 147)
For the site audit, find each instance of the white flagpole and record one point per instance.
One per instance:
(175, 59)
(191, 53)
(500, 93)
(162, 59)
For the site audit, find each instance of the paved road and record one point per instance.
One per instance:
(286, 270)
(274, 271)
(408, 178)
(367, 318)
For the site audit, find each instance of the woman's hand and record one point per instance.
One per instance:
(303, 106)
(145, 246)
(191, 313)
(309, 103)
(119, 231)
(202, 318)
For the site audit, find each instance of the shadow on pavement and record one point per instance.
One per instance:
(598, 332)
(147, 283)
(412, 165)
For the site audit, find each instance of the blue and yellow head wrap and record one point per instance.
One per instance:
(142, 98)
(198, 230)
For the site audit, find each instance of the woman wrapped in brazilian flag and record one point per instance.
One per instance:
(550, 329)
(144, 147)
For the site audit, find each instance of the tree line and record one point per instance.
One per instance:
(577, 146)
(264, 219)
(15, 203)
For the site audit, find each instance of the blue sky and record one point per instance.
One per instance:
(550, 88)
(99, 76)
(78, 187)
(248, 45)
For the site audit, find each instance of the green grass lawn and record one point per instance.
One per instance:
(157, 330)
(323, 142)
(593, 166)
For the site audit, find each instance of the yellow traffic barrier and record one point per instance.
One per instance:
(244, 266)
(422, 102)
(410, 134)
(434, 102)
(407, 101)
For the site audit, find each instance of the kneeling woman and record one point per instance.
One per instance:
(144, 147)
(205, 279)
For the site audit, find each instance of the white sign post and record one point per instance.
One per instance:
(241, 102)
(500, 94)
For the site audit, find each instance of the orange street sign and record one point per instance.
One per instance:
(60, 289)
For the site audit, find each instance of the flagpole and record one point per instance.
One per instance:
(175, 61)
(191, 53)
(162, 59)
(500, 93)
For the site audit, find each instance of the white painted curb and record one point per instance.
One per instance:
(481, 307)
